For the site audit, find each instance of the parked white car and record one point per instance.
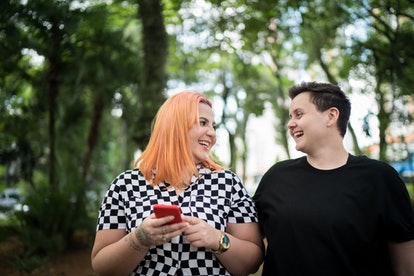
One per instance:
(11, 200)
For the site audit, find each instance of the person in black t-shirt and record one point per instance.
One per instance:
(330, 212)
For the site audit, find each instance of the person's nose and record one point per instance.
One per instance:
(291, 124)
(211, 132)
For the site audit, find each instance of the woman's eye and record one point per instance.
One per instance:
(205, 123)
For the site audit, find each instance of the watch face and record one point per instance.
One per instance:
(225, 241)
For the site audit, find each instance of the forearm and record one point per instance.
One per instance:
(119, 258)
(402, 256)
(243, 257)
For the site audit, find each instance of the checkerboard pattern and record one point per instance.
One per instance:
(218, 197)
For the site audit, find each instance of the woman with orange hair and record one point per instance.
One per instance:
(218, 233)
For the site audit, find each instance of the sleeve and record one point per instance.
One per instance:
(399, 209)
(112, 211)
(242, 208)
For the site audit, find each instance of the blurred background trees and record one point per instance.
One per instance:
(80, 82)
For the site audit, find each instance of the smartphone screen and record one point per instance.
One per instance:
(162, 210)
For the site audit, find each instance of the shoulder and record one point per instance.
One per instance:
(369, 163)
(379, 172)
(228, 173)
(129, 174)
(128, 177)
(221, 177)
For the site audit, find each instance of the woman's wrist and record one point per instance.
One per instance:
(223, 244)
(138, 240)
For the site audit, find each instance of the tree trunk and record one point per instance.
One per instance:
(153, 79)
(383, 118)
(52, 91)
(332, 79)
(98, 107)
(281, 111)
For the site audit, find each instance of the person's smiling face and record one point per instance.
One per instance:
(307, 125)
(202, 136)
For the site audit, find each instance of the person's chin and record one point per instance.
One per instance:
(299, 147)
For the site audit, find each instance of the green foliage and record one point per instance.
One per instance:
(243, 54)
(45, 218)
(7, 229)
(95, 51)
(51, 220)
(98, 45)
(27, 263)
(410, 188)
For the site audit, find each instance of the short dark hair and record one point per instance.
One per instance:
(325, 96)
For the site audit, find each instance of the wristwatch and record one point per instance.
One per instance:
(224, 244)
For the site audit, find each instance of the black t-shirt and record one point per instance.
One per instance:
(332, 222)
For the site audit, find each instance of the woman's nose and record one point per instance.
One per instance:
(211, 132)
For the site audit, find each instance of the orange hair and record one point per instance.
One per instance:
(168, 156)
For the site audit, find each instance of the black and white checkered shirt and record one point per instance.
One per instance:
(218, 197)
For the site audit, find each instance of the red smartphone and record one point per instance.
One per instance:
(162, 210)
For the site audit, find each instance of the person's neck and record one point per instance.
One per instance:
(328, 159)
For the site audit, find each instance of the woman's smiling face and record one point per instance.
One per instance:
(202, 136)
